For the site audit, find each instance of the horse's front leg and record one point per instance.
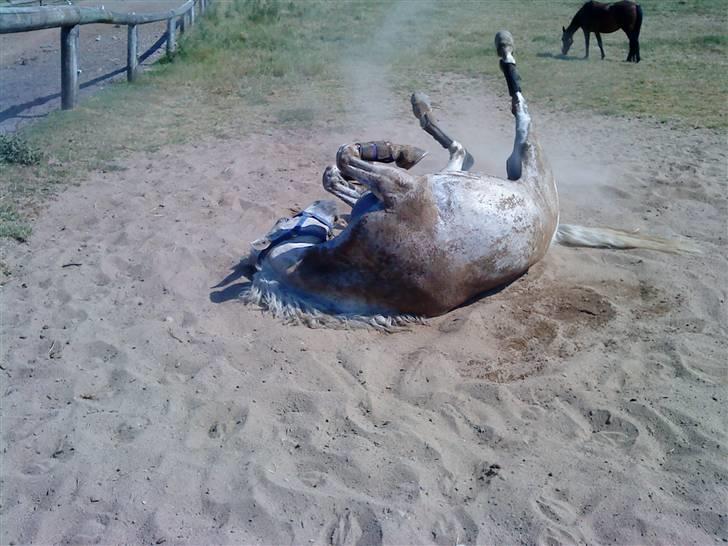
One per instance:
(381, 151)
(460, 158)
(586, 43)
(599, 42)
(337, 185)
(387, 183)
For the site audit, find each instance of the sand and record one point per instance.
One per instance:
(585, 403)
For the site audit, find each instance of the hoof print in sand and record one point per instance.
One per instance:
(354, 529)
(455, 528)
(560, 515)
(607, 427)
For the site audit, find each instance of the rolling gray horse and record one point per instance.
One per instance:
(419, 246)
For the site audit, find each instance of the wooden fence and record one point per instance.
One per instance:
(70, 19)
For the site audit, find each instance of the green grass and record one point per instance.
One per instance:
(683, 76)
(252, 63)
(15, 149)
(12, 226)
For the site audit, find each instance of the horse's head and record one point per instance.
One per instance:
(567, 39)
(315, 222)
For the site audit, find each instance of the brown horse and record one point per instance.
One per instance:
(605, 18)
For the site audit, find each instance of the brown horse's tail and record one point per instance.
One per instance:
(571, 235)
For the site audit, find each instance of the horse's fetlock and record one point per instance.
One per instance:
(455, 147)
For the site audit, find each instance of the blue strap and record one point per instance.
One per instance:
(298, 230)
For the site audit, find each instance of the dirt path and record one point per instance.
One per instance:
(30, 65)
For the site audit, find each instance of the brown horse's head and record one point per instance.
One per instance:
(567, 39)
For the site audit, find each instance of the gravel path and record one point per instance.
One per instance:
(30, 62)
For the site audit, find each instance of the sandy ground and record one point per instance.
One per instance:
(585, 403)
(30, 62)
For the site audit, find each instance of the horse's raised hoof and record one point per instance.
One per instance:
(421, 106)
(406, 156)
(505, 46)
(402, 155)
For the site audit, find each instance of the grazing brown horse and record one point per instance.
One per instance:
(605, 18)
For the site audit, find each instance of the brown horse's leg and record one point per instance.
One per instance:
(636, 32)
(387, 183)
(586, 43)
(631, 56)
(634, 47)
(599, 42)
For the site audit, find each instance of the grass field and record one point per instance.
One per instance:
(251, 63)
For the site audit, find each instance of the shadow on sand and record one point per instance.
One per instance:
(232, 292)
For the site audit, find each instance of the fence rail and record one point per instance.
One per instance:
(11, 3)
(70, 18)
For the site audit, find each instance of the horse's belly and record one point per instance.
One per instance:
(491, 228)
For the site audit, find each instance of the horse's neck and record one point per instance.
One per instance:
(575, 22)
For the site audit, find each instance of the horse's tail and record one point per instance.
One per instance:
(638, 21)
(571, 235)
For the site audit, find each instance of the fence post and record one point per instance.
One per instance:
(69, 67)
(183, 23)
(132, 53)
(203, 6)
(171, 39)
(192, 15)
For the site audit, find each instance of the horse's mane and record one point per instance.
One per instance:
(576, 20)
(294, 308)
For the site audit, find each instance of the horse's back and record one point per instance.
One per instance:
(607, 18)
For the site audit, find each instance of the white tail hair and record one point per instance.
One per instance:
(573, 235)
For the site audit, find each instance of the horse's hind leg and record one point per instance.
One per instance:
(634, 48)
(460, 158)
(504, 46)
(514, 163)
